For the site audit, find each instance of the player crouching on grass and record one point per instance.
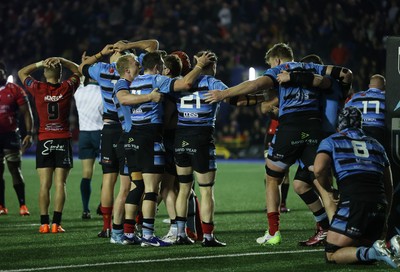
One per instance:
(364, 180)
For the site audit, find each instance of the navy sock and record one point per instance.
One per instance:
(57, 218)
(86, 190)
(20, 190)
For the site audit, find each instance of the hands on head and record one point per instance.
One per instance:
(205, 59)
(51, 62)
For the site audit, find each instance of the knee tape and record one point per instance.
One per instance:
(273, 173)
(13, 157)
(304, 175)
(135, 196)
(309, 197)
(207, 184)
(185, 178)
(331, 248)
(150, 196)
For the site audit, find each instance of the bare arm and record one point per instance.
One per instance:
(107, 50)
(126, 98)
(28, 119)
(322, 172)
(268, 106)
(147, 45)
(25, 72)
(247, 87)
(72, 66)
(187, 81)
(246, 100)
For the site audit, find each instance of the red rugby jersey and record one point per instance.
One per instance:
(53, 104)
(11, 97)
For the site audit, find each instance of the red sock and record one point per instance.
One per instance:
(199, 230)
(129, 226)
(208, 228)
(139, 218)
(107, 217)
(273, 222)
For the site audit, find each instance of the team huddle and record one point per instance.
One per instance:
(156, 134)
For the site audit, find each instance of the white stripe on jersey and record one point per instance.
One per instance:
(90, 107)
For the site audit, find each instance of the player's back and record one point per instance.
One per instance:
(147, 113)
(372, 105)
(355, 153)
(294, 99)
(191, 105)
(106, 75)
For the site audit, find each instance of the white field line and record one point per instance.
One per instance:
(162, 260)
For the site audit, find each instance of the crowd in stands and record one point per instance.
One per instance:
(348, 33)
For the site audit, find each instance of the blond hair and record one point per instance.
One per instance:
(123, 63)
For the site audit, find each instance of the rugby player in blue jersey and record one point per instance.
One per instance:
(373, 107)
(299, 130)
(147, 152)
(106, 75)
(364, 180)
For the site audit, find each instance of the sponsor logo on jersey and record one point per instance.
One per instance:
(53, 127)
(184, 143)
(190, 115)
(304, 135)
(53, 98)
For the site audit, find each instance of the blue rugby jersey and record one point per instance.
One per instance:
(149, 112)
(296, 99)
(106, 75)
(192, 108)
(124, 112)
(354, 153)
(332, 102)
(372, 105)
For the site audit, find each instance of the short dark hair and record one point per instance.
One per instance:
(213, 58)
(279, 50)
(174, 64)
(151, 59)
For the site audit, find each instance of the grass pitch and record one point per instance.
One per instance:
(239, 220)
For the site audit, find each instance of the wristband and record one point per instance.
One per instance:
(39, 64)
(198, 66)
(101, 55)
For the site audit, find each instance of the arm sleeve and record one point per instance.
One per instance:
(73, 82)
(325, 147)
(93, 71)
(164, 83)
(273, 73)
(121, 84)
(31, 85)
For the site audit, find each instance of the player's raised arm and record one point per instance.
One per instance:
(107, 50)
(246, 87)
(186, 82)
(147, 45)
